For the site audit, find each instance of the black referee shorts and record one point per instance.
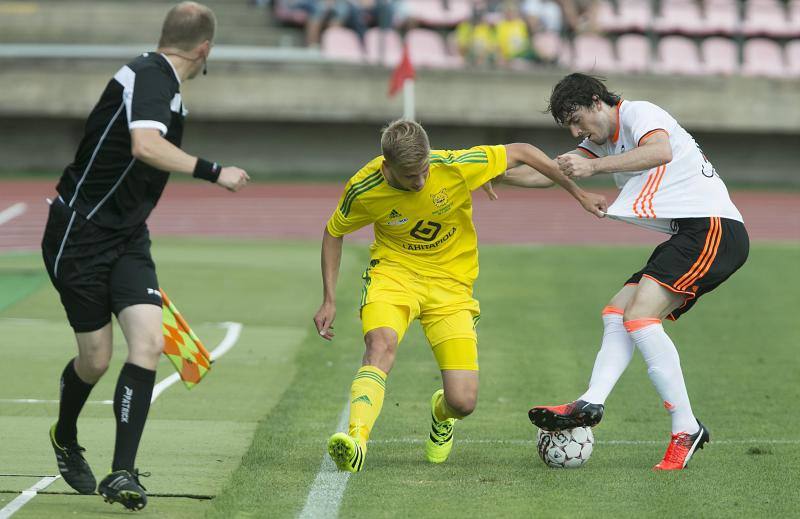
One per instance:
(698, 259)
(95, 270)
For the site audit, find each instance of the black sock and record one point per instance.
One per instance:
(131, 404)
(74, 393)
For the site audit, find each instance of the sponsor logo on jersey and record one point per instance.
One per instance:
(395, 218)
(426, 231)
(431, 245)
(154, 292)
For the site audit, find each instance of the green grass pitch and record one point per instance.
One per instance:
(250, 439)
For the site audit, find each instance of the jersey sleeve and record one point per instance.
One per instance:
(150, 100)
(350, 214)
(645, 119)
(590, 150)
(477, 165)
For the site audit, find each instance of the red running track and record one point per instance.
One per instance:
(299, 211)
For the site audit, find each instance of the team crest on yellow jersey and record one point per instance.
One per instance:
(440, 198)
(441, 201)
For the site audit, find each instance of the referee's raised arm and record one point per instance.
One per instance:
(186, 39)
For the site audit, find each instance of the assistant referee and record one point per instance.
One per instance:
(96, 244)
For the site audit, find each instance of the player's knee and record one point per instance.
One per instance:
(381, 355)
(462, 404)
(150, 347)
(381, 350)
(92, 367)
(633, 312)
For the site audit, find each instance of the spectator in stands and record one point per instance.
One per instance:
(543, 16)
(580, 15)
(381, 13)
(513, 40)
(334, 12)
(476, 37)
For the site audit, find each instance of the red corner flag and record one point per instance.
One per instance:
(403, 72)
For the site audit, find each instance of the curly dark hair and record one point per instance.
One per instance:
(577, 90)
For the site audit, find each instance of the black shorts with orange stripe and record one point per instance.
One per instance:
(697, 259)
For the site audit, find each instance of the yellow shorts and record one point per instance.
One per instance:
(393, 296)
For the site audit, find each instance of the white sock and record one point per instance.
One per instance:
(614, 356)
(664, 368)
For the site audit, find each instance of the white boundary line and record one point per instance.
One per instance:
(38, 401)
(26, 495)
(12, 212)
(228, 342)
(744, 441)
(326, 492)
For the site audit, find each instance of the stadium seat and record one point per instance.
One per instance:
(793, 58)
(551, 48)
(633, 53)
(679, 16)
(593, 53)
(721, 17)
(677, 55)
(342, 44)
(383, 47)
(720, 56)
(607, 19)
(634, 15)
(432, 13)
(426, 48)
(765, 18)
(763, 57)
(794, 18)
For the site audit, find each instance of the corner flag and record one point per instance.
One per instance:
(401, 74)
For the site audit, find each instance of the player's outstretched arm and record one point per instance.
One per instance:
(520, 176)
(522, 153)
(331, 259)
(524, 176)
(653, 152)
(150, 147)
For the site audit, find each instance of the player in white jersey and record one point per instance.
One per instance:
(667, 184)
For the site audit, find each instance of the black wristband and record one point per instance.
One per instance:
(206, 170)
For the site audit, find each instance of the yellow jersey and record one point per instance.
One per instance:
(512, 38)
(428, 231)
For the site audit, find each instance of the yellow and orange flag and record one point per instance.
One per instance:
(183, 348)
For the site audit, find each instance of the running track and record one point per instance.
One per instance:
(299, 211)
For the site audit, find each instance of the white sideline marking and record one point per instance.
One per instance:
(228, 342)
(326, 492)
(23, 320)
(37, 401)
(12, 212)
(744, 441)
(26, 495)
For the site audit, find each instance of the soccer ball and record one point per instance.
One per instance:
(570, 448)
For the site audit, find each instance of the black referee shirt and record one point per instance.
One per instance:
(104, 183)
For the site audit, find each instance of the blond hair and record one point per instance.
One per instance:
(187, 25)
(405, 146)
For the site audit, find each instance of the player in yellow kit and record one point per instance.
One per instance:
(423, 263)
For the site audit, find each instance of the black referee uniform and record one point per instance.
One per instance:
(96, 244)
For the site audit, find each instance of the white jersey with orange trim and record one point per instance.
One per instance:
(687, 187)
